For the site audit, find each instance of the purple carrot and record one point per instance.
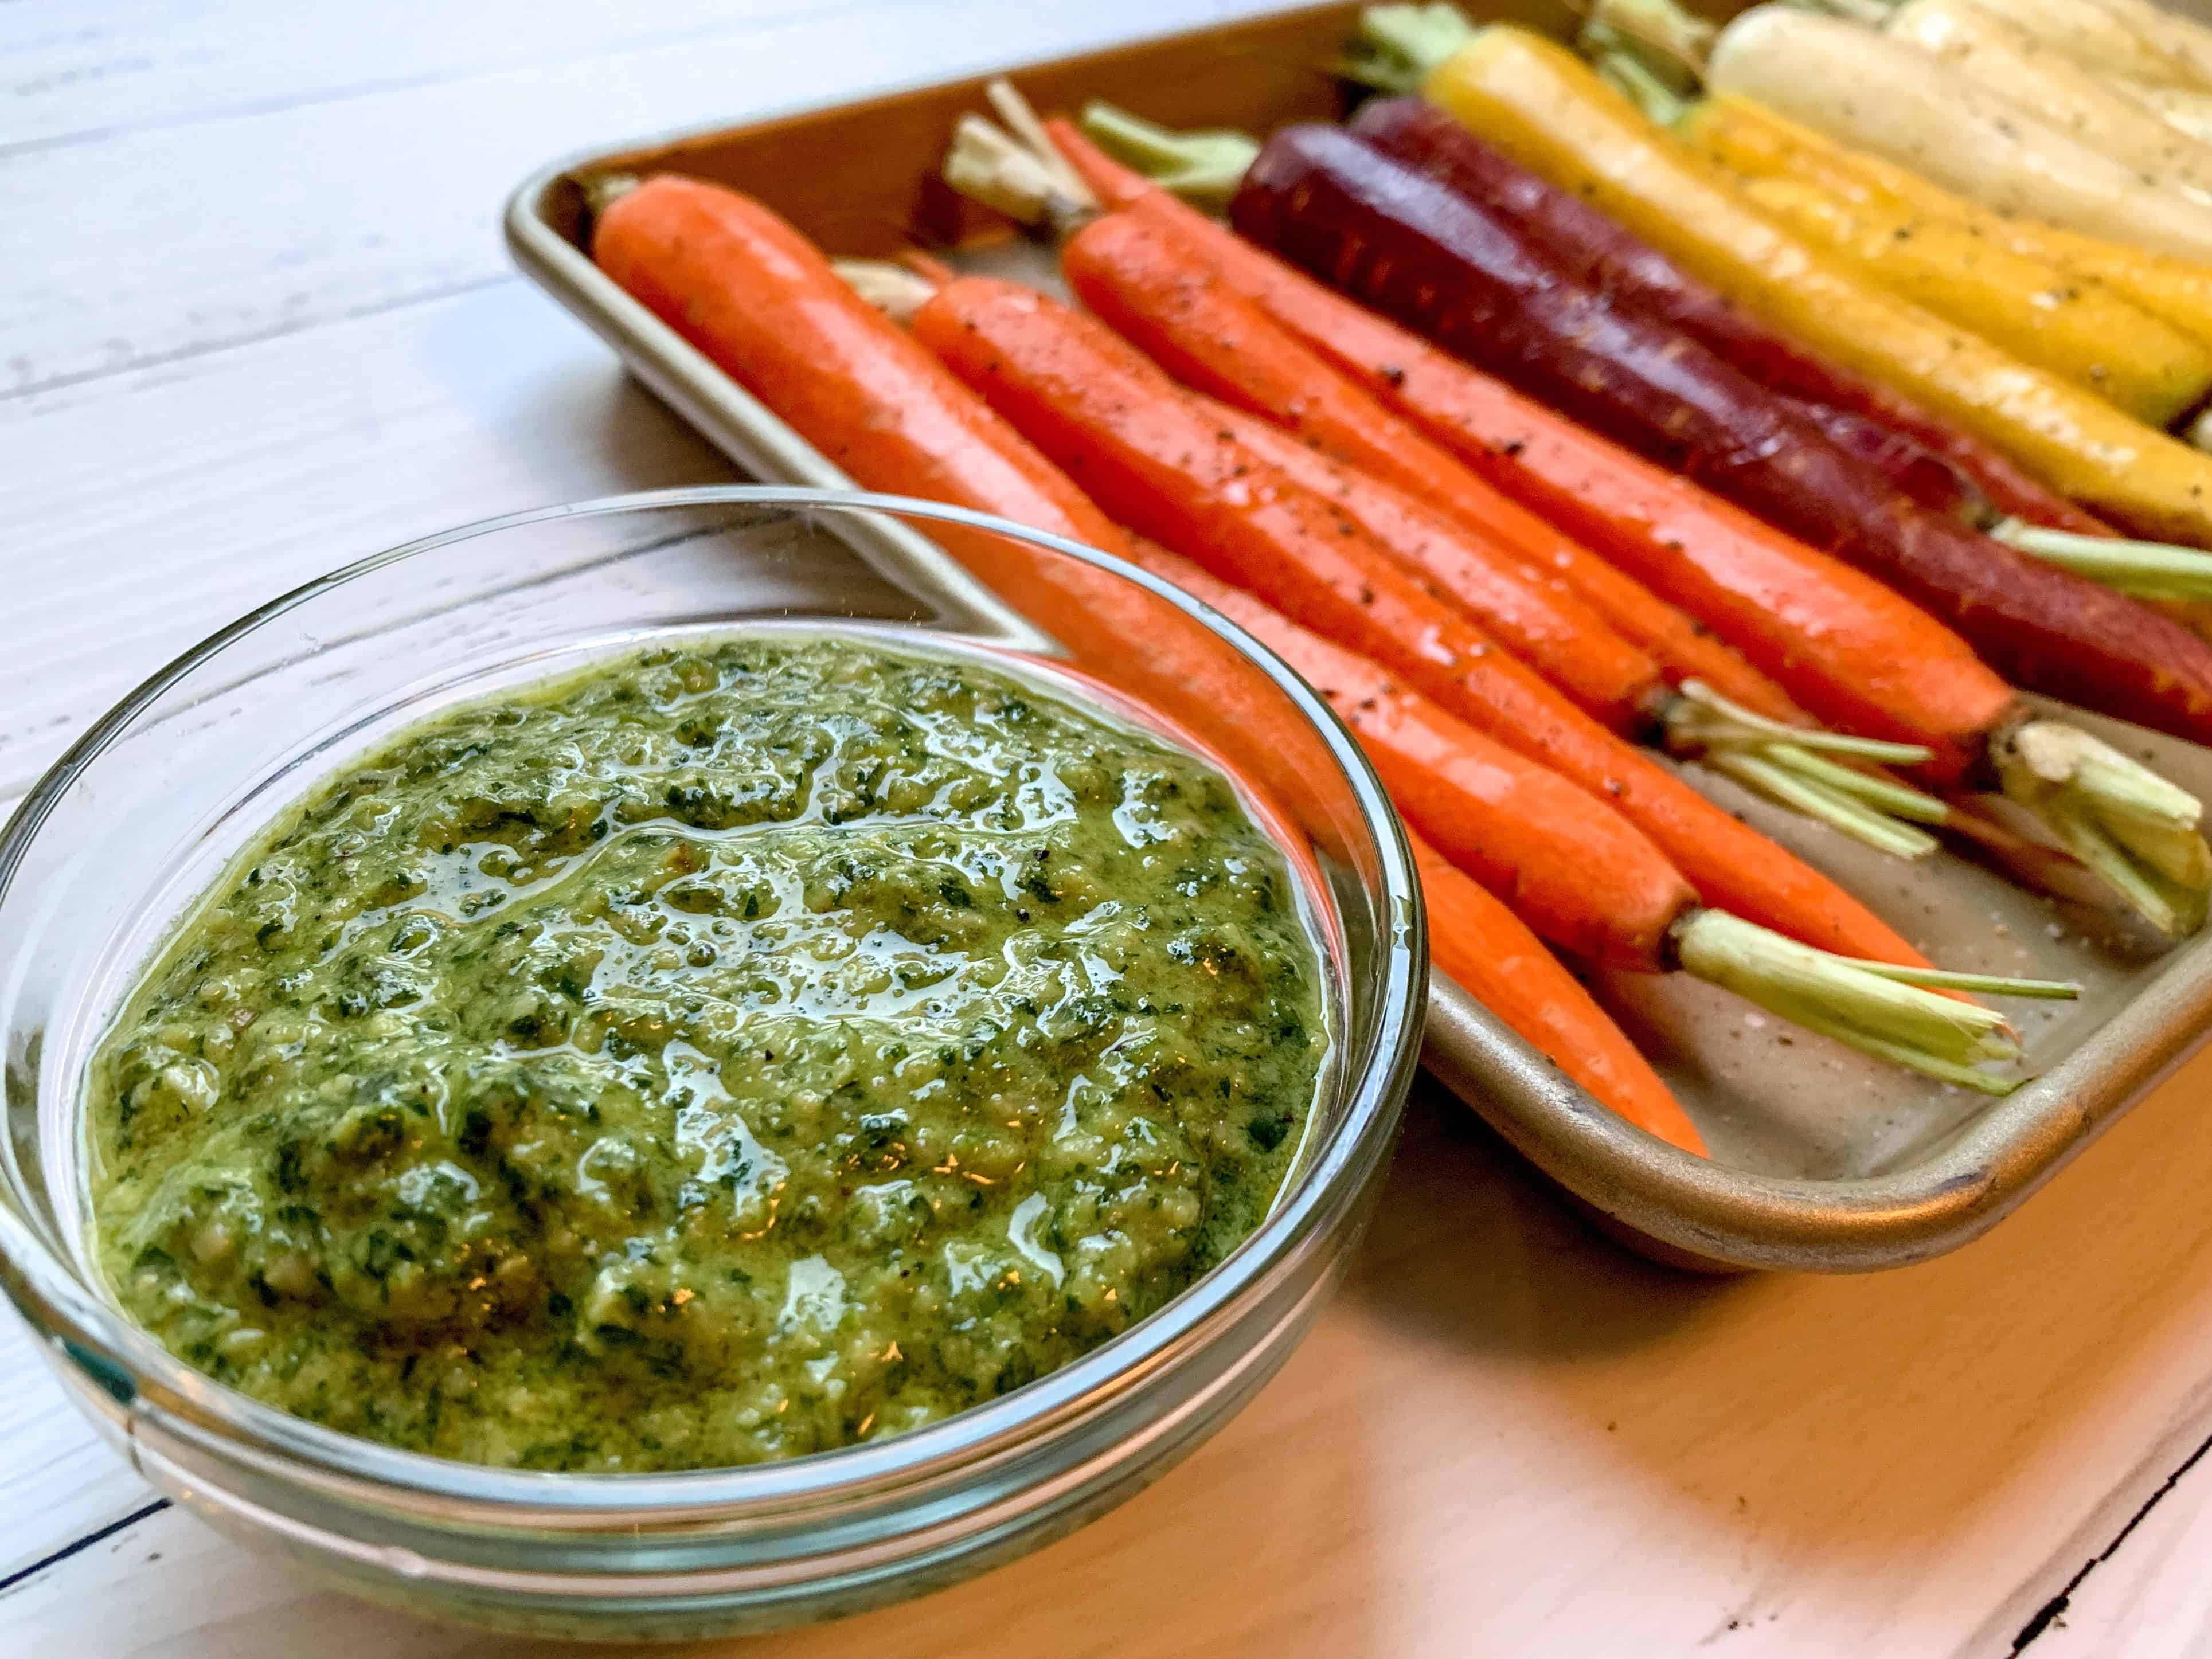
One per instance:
(1923, 476)
(1631, 272)
(1442, 265)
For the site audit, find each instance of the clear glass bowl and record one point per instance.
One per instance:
(131, 826)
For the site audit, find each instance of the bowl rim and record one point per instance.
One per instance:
(124, 1362)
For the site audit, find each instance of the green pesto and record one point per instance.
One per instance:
(739, 1051)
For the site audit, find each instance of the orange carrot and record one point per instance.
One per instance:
(1856, 655)
(1429, 760)
(1151, 456)
(1681, 647)
(1483, 946)
(1162, 294)
(1581, 875)
(755, 297)
(1539, 621)
(1855, 652)
(759, 298)
(1215, 341)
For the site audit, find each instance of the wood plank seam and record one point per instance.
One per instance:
(2057, 1604)
(98, 1535)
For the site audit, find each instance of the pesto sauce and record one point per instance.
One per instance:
(739, 1051)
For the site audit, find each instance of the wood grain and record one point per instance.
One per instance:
(160, 243)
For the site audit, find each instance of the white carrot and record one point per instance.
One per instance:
(1879, 93)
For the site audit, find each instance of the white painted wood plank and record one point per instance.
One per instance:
(72, 71)
(68, 72)
(2146, 1593)
(1508, 1437)
(159, 244)
(58, 1481)
(146, 511)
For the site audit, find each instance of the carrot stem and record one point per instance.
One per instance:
(1727, 721)
(1665, 40)
(1898, 800)
(2132, 827)
(1819, 801)
(1203, 167)
(605, 189)
(2147, 570)
(1781, 763)
(996, 168)
(1936, 1036)
(1628, 75)
(1990, 985)
(1022, 122)
(1395, 47)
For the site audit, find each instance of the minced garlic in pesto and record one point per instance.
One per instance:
(745, 1049)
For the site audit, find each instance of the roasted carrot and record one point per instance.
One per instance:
(1427, 758)
(1684, 725)
(1500, 817)
(1495, 813)
(1148, 456)
(1439, 262)
(1536, 101)
(1549, 629)
(875, 362)
(1492, 955)
(1683, 649)
(1440, 773)
(1922, 476)
(761, 300)
(1372, 351)
(1919, 681)
(1630, 271)
(1891, 670)
(1212, 339)
(756, 297)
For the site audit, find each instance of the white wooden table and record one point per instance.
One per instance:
(255, 321)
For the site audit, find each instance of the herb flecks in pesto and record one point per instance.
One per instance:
(737, 1052)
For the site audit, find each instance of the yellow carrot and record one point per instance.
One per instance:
(2083, 331)
(1537, 101)
(1877, 93)
(1753, 141)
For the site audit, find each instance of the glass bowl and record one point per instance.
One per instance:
(142, 814)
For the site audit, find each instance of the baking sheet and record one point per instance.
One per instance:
(1824, 1160)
